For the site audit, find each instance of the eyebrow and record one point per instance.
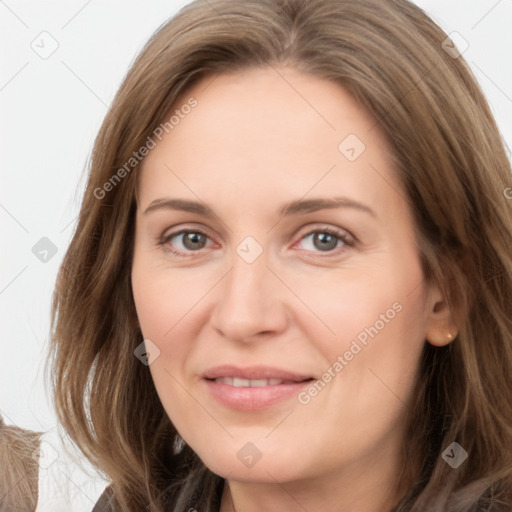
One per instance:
(297, 207)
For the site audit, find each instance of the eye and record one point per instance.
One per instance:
(327, 239)
(324, 239)
(190, 240)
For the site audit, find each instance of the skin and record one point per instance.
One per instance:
(258, 139)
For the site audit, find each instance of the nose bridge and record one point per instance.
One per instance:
(249, 302)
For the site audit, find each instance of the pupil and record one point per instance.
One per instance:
(325, 237)
(192, 239)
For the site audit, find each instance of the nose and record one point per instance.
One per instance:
(250, 302)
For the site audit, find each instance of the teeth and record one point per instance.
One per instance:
(245, 383)
(241, 383)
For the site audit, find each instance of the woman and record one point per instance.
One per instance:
(290, 283)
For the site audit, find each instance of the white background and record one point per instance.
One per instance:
(51, 111)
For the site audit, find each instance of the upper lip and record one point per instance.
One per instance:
(253, 373)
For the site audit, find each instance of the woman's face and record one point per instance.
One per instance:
(278, 280)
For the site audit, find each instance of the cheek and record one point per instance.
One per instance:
(362, 303)
(163, 313)
(164, 297)
(168, 304)
(379, 319)
(372, 365)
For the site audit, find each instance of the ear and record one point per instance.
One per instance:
(444, 319)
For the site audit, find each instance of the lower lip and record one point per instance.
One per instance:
(253, 398)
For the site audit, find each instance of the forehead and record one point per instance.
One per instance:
(277, 130)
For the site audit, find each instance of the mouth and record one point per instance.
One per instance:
(254, 388)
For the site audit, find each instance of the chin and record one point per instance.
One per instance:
(268, 468)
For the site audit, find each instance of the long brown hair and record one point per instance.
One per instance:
(451, 158)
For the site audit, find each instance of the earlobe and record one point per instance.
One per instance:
(440, 340)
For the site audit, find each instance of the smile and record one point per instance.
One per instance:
(252, 389)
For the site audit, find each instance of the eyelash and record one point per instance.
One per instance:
(343, 237)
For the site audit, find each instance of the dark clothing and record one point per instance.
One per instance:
(103, 504)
